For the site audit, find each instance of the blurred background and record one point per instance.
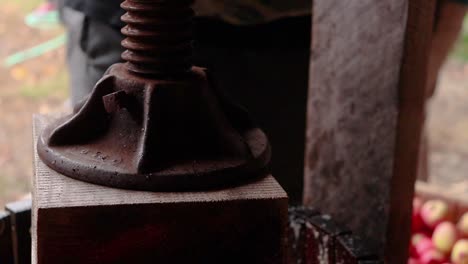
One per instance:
(448, 121)
(28, 85)
(33, 79)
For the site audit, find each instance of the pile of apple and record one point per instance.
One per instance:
(435, 239)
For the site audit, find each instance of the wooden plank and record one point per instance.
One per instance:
(6, 245)
(357, 46)
(352, 250)
(20, 215)
(298, 244)
(322, 235)
(412, 98)
(431, 191)
(77, 222)
(317, 239)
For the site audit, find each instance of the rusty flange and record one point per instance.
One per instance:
(156, 122)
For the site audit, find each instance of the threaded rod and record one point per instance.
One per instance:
(158, 36)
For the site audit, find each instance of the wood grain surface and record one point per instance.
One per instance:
(357, 48)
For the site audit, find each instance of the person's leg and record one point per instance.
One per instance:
(92, 48)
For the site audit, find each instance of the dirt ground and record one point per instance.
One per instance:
(39, 86)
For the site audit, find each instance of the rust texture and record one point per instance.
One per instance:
(159, 36)
(156, 122)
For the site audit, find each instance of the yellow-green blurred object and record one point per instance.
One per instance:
(43, 20)
(34, 52)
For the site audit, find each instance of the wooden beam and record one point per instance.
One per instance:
(412, 99)
(357, 47)
(366, 109)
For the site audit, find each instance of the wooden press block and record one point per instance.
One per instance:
(20, 217)
(77, 222)
(322, 233)
(297, 234)
(6, 243)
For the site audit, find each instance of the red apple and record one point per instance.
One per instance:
(432, 257)
(415, 240)
(422, 244)
(433, 212)
(460, 252)
(413, 261)
(417, 224)
(463, 225)
(417, 204)
(444, 237)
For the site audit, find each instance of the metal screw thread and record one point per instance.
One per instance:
(158, 36)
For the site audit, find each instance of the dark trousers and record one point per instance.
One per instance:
(264, 68)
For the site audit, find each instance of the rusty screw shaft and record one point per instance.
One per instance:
(158, 36)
